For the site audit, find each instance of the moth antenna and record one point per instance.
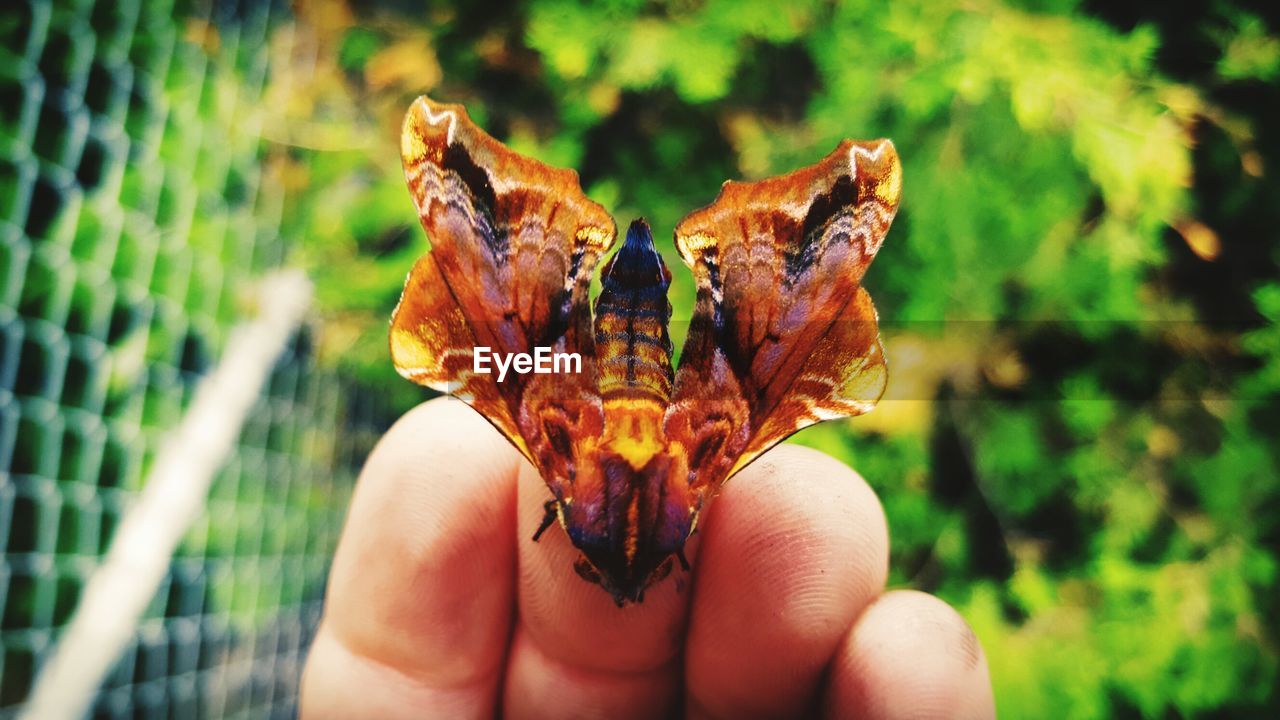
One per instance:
(549, 508)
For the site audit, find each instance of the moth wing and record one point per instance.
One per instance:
(513, 246)
(783, 333)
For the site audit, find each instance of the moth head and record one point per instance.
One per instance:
(629, 530)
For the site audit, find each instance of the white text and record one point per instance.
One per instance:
(541, 362)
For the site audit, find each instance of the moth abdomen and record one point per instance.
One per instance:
(633, 347)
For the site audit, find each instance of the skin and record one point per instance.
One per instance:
(439, 605)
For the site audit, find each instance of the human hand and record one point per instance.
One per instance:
(440, 605)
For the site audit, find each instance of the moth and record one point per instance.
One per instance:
(783, 335)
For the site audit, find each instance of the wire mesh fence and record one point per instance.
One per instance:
(137, 204)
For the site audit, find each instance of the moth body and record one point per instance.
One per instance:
(631, 511)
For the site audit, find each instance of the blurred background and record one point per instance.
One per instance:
(1080, 300)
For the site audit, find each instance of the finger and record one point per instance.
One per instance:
(541, 685)
(793, 550)
(910, 656)
(573, 641)
(422, 582)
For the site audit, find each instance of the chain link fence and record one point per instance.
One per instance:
(138, 205)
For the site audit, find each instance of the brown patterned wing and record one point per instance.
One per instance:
(783, 334)
(513, 246)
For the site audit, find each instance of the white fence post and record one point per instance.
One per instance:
(172, 498)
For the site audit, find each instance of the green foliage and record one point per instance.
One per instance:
(1078, 297)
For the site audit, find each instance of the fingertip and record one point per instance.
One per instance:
(910, 655)
(539, 684)
(441, 482)
(423, 577)
(786, 521)
(793, 485)
(439, 431)
(792, 550)
(338, 683)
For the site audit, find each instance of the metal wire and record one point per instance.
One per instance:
(134, 212)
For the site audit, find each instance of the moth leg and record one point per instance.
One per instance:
(684, 562)
(550, 509)
(586, 570)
